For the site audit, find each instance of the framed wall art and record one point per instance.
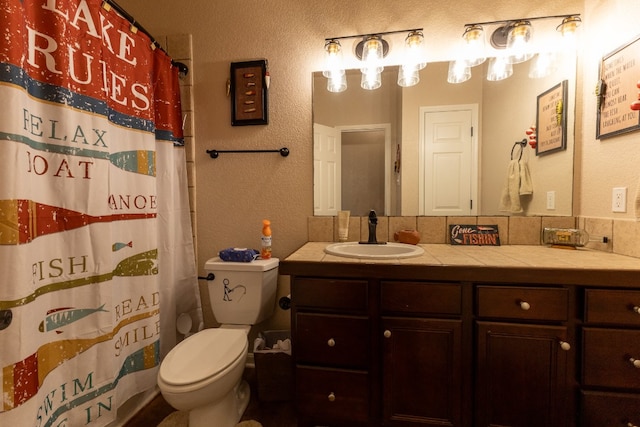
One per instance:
(248, 90)
(617, 89)
(551, 120)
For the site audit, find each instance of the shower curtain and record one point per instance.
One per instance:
(96, 252)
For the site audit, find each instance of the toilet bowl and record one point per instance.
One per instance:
(203, 374)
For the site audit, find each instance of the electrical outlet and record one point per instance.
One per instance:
(619, 199)
(551, 200)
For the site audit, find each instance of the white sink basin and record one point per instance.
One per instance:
(364, 251)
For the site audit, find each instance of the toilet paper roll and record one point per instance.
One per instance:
(184, 323)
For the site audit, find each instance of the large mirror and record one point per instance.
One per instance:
(439, 148)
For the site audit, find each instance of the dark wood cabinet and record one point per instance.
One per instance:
(610, 377)
(372, 348)
(522, 356)
(422, 372)
(333, 352)
(521, 375)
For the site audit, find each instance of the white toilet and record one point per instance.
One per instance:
(203, 373)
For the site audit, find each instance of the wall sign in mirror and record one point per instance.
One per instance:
(551, 120)
(617, 89)
(248, 89)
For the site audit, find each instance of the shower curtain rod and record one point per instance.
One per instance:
(182, 68)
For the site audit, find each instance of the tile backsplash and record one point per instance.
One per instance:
(622, 235)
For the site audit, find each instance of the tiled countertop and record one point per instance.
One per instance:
(508, 263)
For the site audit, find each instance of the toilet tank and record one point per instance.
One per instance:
(242, 293)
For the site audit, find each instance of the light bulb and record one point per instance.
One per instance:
(518, 42)
(499, 69)
(474, 45)
(543, 65)
(459, 72)
(415, 54)
(333, 59)
(408, 76)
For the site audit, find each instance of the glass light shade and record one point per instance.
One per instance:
(408, 76)
(371, 79)
(459, 72)
(569, 25)
(499, 69)
(569, 29)
(518, 42)
(333, 59)
(474, 45)
(337, 83)
(372, 53)
(415, 50)
(543, 65)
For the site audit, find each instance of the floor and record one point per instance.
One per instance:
(269, 414)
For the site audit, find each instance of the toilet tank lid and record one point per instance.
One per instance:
(216, 264)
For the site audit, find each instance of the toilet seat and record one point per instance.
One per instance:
(202, 356)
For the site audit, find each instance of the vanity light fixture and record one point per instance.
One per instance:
(519, 42)
(474, 45)
(371, 50)
(514, 36)
(333, 70)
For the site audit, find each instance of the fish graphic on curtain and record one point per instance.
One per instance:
(89, 105)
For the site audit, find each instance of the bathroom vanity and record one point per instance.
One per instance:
(466, 336)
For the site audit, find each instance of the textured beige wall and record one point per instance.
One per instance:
(615, 162)
(235, 191)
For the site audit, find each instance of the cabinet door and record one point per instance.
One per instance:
(422, 372)
(521, 375)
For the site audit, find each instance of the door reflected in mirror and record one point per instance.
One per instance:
(440, 148)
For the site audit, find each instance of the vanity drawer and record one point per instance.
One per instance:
(609, 409)
(328, 395)
(607, 355)
(332, 340)
(612, 307)
(421, 297)
(526, 303)
(330, 294)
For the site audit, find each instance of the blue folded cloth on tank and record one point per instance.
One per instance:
(238, 254)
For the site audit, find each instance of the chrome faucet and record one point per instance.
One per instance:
(373, 223)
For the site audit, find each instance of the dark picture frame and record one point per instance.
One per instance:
(551, 120)
(248, 90)
(617, 89)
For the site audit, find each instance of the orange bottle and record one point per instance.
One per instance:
(265, 252)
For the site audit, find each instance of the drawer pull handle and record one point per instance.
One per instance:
(387, 333)
(635, 362)
(636, 309)
(331, 397)
(565, 345)
(331, 342)
(525, 305)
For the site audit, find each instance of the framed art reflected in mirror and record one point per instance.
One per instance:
(551, 120)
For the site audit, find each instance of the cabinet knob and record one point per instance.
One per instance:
(635, 362)
(331, 342)
(565, 345)
(387, 333)
(636, 309)
(331, 397)
(525, 305)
